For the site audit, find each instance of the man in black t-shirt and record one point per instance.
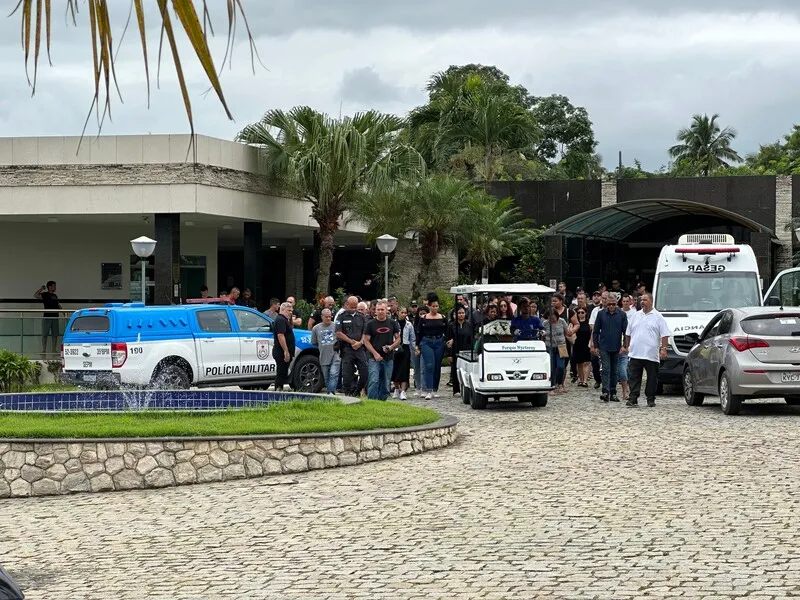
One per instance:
(316, 316)
(381, 337)
(350, 325)
(47, 294)
(283, 349)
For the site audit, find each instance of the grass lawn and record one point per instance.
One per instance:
(49, 387)
(289, 417)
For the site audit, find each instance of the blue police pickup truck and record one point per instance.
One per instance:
(175, 347)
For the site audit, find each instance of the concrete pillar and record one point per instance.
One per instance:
(294, 268)
(783, 217)
(608, 193)
(167, 259)
(252, 260)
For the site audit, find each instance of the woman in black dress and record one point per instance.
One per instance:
(581, 355)
(459, 337)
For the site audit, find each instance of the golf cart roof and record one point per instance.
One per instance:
(513, 289)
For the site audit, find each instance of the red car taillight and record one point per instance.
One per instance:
(119, 354)
(747, 343)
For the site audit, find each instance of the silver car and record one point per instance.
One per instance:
(746, 353)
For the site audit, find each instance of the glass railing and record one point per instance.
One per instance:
(21, 332)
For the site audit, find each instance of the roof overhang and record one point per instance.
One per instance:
(618, 221)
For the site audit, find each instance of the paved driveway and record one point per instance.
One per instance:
(577, 500)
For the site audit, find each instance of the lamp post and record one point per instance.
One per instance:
(143, 247)
(386, 244)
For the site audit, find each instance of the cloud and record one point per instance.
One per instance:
(640, 69)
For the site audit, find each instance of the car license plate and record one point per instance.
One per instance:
(790, 377)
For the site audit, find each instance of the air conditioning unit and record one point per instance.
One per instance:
(706, 238)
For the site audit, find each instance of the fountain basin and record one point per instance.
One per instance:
(126, 400)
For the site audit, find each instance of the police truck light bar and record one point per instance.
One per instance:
(712, 250)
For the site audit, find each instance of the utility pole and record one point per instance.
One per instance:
(619, 171)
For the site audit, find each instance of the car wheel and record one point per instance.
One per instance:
(307, 374)
(171, 377)
(690, 394)
(731, 403)
(539, 400)
(478, 401)
(792, 400)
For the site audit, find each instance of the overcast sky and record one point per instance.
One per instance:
(640, 72)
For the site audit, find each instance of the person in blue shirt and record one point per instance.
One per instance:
(525, 326)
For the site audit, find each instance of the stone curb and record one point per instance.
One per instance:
(50, 467)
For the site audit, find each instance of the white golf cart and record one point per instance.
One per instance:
(496, 366)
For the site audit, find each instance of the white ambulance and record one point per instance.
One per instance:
(695, 279)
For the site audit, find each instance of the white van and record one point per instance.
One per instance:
(701, 275)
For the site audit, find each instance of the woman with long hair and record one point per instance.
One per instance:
(430, 345)
(555, 334)
(459, 337)
(504, 310)
(581, 355)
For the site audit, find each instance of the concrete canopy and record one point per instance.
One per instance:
(617, 222)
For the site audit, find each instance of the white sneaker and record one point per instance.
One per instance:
(428, 396)
(403, 396)
(396, 394)
(436, 395)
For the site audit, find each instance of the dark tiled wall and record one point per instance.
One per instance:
(548, 202)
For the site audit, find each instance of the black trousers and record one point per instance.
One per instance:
(573, 368)
(353, 360)
(281, 371)
(636, 366)
(596, 368)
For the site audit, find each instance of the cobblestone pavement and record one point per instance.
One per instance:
(576, 500)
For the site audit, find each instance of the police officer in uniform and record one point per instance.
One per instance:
(350, 325)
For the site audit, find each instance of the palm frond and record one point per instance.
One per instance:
(102, 40)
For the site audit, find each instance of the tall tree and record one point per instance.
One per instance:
(567, 137)
(494, 230)
(705, 146)
(779, 158)
(472, 111)
(102, 37)
(332, 162)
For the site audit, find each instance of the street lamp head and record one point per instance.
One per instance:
(386, 243)
(143, 246)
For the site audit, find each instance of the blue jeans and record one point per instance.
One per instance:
(556, 368)
(331, 373)
(417, 369)
(610, 362)
(432, 351)
(622, 369)
(378, 378)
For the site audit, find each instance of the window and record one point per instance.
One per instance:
(249, 321)
(706, 292)
(786, 291)
(772, 325)
(725, 323)
(90, 324)
(214, 321)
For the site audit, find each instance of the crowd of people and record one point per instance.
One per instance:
(380, 349)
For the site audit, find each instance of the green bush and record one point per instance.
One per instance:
(446, 301)
(15, 371)
(304, 309)
(54, 368)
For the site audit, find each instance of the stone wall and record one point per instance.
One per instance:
(405, 267)
(46, 468)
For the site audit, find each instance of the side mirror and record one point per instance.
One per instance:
(773, 301)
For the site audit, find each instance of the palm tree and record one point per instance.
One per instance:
(466, 109)
(332, 162)
(494, 230)
(104, 53)
(705, 145)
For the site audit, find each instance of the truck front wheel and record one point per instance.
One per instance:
(307, 374)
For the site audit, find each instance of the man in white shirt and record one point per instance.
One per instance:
(646, 341)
